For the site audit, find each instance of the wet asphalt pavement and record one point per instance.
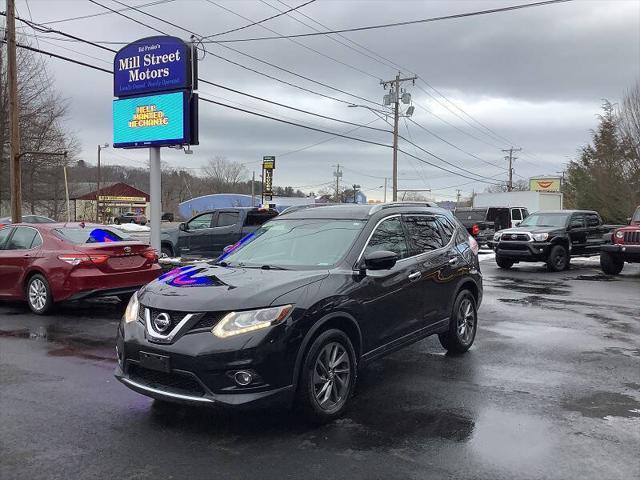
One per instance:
(551, 389)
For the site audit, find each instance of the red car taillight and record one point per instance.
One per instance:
(475, 248)
(76, 260)
(150, 254)
(475, 230)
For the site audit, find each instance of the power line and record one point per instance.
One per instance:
(398, 24)
(82, 17)
(259, 21)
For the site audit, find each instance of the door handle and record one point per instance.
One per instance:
(414, 276)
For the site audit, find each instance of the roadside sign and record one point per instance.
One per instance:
(269, 163)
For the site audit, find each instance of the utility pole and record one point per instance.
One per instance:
(394, 93)
(458, 197)
(253, 190)
(385, 189)
(338, 175)
(511, 158)
(355, 192)
(100, 147)
(14, 126)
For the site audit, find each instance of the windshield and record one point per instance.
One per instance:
(90, 235)
(636, 216)
(317, 243)
(545, 220)
(474, 215)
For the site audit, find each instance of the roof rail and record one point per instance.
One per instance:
(382, 206)
(295, 208)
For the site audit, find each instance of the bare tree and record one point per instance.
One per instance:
(224, 174)
(518, 186)
(629, 114)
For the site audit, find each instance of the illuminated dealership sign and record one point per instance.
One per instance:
(154, 80)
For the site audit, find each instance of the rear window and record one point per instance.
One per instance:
(258, 217)
(90, 235)
(475, 215)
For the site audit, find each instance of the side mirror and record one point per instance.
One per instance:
(183, 227)
(380, 260)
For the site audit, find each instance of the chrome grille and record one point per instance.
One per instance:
(632, 237)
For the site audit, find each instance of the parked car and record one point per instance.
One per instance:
(551, 237)
(167, 217)
(624, 247)
(27, 219)
(131, 217)
(293, 313)
(208, 233)
(483, 222)
(52, 262)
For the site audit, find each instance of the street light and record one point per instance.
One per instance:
(100, 147)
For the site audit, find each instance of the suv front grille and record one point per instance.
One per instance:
(174, 316)
(632, 237)
(209, 320)
(515, 237)
(175, 382)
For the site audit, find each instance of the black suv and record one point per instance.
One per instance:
(552, 237)
(300, 305)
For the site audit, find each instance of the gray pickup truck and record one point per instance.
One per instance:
(208, 233)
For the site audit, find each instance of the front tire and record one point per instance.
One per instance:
(117, 221)
(328, 377)
(504, 262)
(462, 325)
(39, 296)
(558, 259)
(166, 251)
(610, 264)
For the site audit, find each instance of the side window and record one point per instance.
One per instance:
(592, 220)
(577, 221)
(227, 218)
(200, 222)
(516, 214)
(447, 229)
(424, 233)
(22, 238)
(389, 235)
(525, 213)
(255, 219)
(4, 234)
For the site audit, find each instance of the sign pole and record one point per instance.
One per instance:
(156, 202)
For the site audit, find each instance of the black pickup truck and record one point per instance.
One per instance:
(552, 237)
(208, 233)
(483, 222)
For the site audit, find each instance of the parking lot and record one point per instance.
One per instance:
(550, 389)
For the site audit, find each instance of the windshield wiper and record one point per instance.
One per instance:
(272, 267)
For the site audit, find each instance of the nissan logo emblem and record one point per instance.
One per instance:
(162, 322)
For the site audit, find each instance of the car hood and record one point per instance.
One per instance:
(531, 229)
(204, 287)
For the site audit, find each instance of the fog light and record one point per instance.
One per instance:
(243, 378)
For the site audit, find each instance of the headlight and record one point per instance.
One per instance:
(131, 313)
(496, 237)
(235, 323)
(620, 234)
(540, 237)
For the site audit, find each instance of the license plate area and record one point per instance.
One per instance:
(153, 361)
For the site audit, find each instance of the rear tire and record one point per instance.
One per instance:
(166, 251)
(610, 264)
(117, 221)
(39, 296)
(463, 324)
(504, 262)
(558, 259)
(328, 377)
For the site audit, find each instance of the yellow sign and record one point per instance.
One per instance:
(148, 116)
(544, 184)
(108, 198)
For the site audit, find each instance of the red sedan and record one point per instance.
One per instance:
(52, 262)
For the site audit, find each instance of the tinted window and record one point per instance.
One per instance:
(202, 221)
(592, 220)
(525, 213)
(423, 232)
(89, 235)
(545, 220)
(447, 228)
(4, 234)
(475, 215)
(256, 218)
(227, 218)
(516, 214)
(22, 238)
(389, 235)
(577, 221)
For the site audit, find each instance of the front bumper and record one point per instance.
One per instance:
(523, 251)
(628, 253)
(202, 366)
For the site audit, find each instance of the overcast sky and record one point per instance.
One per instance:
(536, 77)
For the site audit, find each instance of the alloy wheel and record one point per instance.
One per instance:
(331, 376)
(466, 321)
(37, 294)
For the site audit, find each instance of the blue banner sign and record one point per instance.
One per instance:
(153, 120)
(152, 64)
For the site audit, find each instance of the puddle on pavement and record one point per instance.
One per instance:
(599, 277)
(66, 344)
(532, 286)
(604, 404)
